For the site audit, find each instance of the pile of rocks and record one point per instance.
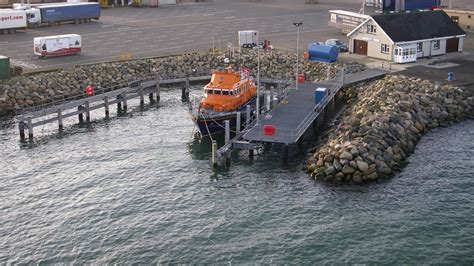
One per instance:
(381, 127)
(26, 91)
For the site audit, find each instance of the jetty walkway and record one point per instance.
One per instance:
(294, 114)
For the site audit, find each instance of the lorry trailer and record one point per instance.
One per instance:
(51, 14)
(12, 20)
(58, 45)
(248, 38)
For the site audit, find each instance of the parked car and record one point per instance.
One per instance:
(336, 42)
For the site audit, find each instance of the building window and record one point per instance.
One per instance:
(385, 48)
(419, 47)
(371, 29)
(436, 45)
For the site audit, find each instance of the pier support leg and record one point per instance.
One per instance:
(285, 153)
(251, 154)
(214, 151)
(119, 104)
(60, 120)
(88, 112)
(106, 105)
(320, 120)
(150, 97)
(227, 131)
(158, 89)
(247, 121)
(227, 158)
(30, 129)
(124, 99)
(142, 97)
(238, 118)
(80, 108)
(21, 127)
(272, 97)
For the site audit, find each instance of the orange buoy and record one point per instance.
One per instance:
(89, 90)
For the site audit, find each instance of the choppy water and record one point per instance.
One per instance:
(140, 189)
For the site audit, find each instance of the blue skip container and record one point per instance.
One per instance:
(319, 94)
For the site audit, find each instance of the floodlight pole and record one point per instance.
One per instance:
(297, 24)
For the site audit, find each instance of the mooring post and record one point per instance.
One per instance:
(106, 105)
(80, 109)
(237, 128)
(186, 84)
(30, 128)
(227, 131)
(21, 127)
(227, 158)
(251, 154)
(214, 151)
(60, 120)
(88, 112)
(124, 98)
(158, 91)
(247, 121)
(142, 97)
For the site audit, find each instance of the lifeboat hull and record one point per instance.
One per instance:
(216, 124)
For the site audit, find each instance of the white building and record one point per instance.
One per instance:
(405, 37)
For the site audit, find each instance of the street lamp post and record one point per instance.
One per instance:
(297, 24)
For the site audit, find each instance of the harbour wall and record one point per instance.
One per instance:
(41, 88)
(381, 126)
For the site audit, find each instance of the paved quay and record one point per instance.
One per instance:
(146, 32)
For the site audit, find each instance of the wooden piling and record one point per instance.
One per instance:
(88, 112)
(21, 127)
(106, 105)
(247, 121)
(30, 128)
(119, 103)
(124, 99)
(80, 109)
(158, 89)
(142, 97)
(238, 126)
(60, 120)
(227, 131)
(214, 151)
(285, 153)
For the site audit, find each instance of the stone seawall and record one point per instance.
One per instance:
(26, 91)
(381, 127)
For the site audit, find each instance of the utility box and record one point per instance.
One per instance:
(248, 38)
(319, 95)
(4, 67)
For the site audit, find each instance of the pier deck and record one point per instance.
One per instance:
(292, 117)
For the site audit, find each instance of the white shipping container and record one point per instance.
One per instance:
(12, 19)
(248, 38)
(57, 45)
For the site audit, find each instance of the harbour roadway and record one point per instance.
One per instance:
(144, 32)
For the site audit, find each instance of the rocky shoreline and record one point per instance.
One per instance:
(381, 126)
(29, 90)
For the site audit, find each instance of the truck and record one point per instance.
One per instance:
(248, 38)
(12, 20)
(58, 45)
(51, 14)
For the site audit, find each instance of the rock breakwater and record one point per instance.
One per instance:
(381, 127)
(26, 91)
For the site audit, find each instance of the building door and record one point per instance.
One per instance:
(452, 45)
(360, 47)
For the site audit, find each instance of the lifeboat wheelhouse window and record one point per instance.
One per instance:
(225, 92)
(218, 92)
(208, 91)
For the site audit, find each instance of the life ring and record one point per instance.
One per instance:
(89, 90)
